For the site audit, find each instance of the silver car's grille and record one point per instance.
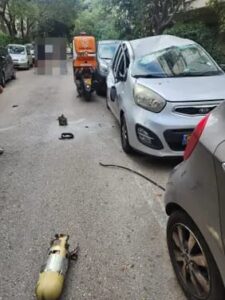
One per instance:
(195, 110)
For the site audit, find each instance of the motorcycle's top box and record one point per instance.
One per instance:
(84, 51)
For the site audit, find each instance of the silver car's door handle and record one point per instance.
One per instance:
(223, 166)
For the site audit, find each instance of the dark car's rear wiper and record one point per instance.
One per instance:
(149, 76)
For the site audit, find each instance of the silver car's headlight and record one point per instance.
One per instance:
(148, 99)
(23, 60)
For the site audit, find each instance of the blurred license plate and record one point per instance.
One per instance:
(185, 139)
(88, 81)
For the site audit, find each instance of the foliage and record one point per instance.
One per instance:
(26, 19)
(94, 20)
(7, 39)
(56, 17)
(146, 17)
(202, 34)
(219, 9)
(4, 39)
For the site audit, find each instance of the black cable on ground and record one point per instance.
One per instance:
(135, 172)
(66, 136)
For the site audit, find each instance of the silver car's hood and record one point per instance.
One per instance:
(187, 88)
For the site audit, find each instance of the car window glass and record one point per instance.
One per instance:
(17, 50)
(106, 51)
(121, 66)
(117, 64)
(189, 60)
(117, 56)
(28, 50)
(127, 57)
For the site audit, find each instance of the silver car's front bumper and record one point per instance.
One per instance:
(169, 126)
(20, 65)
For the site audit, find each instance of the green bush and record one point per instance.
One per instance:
(4, 39)
(207, 37)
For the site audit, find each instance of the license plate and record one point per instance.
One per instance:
(186, 139)
(88, 81)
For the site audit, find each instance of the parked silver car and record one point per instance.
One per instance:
(21, 56)
(159, 88)
(195, 203)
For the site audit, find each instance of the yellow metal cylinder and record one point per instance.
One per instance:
(49, 286)
(51, 278)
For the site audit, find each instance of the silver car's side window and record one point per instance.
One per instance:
(127, 58)
(116, 61)
(121, 65)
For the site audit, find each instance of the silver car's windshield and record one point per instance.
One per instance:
(16, 49)
(189, 60)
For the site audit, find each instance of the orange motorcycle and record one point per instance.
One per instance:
(84, 64)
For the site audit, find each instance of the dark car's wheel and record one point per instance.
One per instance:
(107, 104)
(192, 261)
(3, 80)
(13, 75)
(100, 91)
(124, 136)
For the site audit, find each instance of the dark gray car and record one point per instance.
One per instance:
(195, 203)
(7, 71)
(105, 54)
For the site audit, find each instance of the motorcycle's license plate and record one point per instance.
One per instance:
(88, 81)
(186, 139)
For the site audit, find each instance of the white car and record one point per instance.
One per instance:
(159, 88)
(21, 56)
(32, 51)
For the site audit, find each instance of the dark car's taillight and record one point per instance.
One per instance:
(195, 137)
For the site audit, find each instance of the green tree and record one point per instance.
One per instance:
(144, 17)
(219, 9)
(19, 16)
(95, 20)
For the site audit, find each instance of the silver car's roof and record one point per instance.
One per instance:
(145, 46)
(16, 45)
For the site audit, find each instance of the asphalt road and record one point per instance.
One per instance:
(50, 186)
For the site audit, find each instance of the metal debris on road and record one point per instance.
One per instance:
(62, 120)
(66, 136)
(135, 172)
(52, 275)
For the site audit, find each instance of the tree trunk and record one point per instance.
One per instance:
(22, 27)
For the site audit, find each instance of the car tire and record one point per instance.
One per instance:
(3, 80)
(100, 91)
(107, 103)
(192, 260)
(14, 75)
(28, 66)
(124, 136)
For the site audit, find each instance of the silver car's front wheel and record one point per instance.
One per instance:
(192, 261)
(124, 136)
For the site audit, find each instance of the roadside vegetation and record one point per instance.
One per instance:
(22, 21)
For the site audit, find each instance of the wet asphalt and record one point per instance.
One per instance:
(50, 186)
